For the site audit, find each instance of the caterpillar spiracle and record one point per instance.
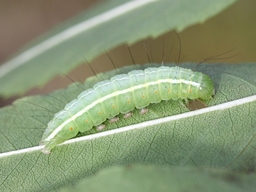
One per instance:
(122, 94)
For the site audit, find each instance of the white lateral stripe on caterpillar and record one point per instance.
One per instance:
(173, 81)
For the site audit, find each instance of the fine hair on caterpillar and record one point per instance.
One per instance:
(122, 93)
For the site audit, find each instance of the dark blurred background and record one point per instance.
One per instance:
(22, 21)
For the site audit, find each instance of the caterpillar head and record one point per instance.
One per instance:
(206, 90)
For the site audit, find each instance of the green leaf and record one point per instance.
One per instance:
(219, 136)
(111, 23)
(147, 178)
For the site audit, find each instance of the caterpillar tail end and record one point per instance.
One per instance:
(47, 147)
(46, 151)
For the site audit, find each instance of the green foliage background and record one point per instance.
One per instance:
(218, 145)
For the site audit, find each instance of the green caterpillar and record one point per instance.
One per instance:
(122, 94)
